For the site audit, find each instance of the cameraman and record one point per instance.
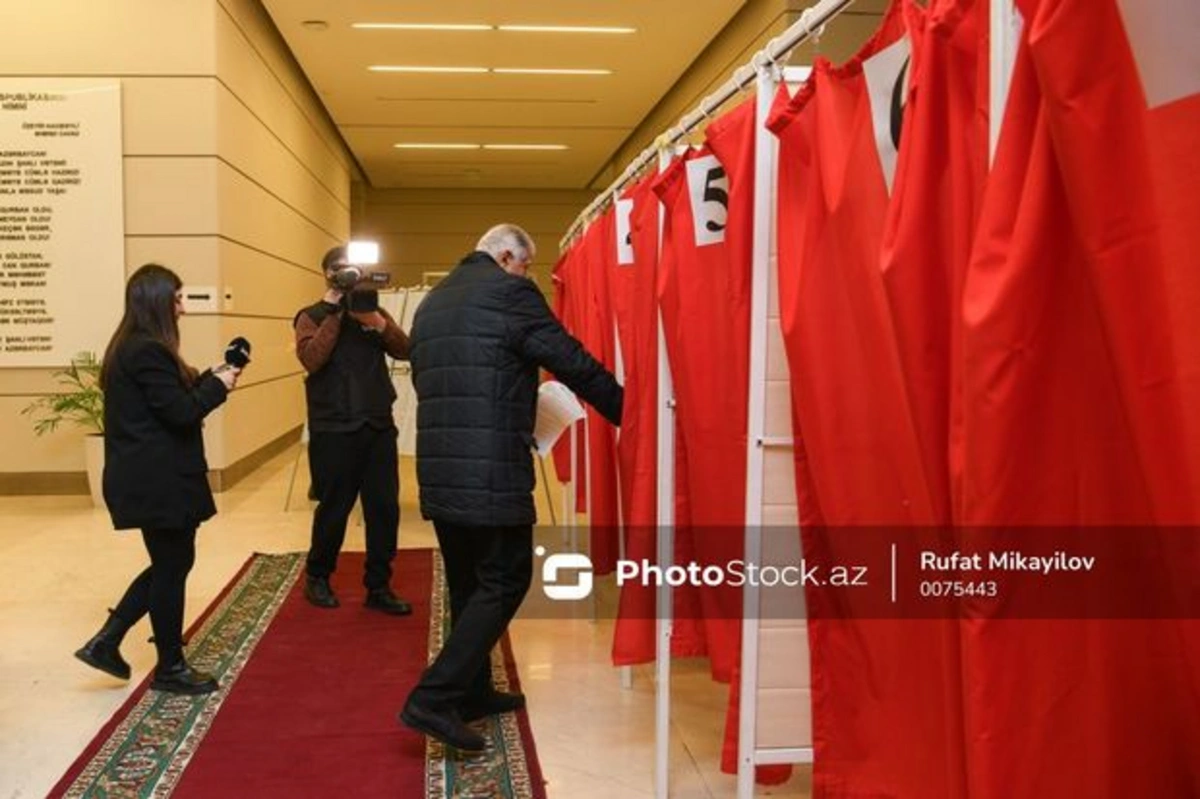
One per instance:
(341, 342)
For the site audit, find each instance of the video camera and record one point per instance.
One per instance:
(354, 269)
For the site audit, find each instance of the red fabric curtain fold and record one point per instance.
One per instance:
(599, 333)
(632, 281)
(1074, 396)
(868, 398)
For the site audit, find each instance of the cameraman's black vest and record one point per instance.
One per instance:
(353, 388)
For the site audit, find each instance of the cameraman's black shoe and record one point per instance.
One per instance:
(384, 600)
(181, 678)
(318, 592)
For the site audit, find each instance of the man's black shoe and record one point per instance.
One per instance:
(383, 599)
(318, 592)
(491, 704)
(183, 679)
(446, 727)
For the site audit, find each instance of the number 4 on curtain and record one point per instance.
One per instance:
(624, 232)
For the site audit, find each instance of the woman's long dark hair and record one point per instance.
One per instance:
(149, 313)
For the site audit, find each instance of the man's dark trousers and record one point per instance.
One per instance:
(488, 572)
(343, 466)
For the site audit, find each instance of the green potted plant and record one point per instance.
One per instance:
(80, 403)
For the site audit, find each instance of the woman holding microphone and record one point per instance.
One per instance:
(155, 474)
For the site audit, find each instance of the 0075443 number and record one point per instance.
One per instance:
(958, 588)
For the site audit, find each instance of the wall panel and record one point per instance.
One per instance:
(234, 177)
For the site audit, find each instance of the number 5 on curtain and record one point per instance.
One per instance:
(708, 190)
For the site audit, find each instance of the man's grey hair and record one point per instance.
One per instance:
(506, 237)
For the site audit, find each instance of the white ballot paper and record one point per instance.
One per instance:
(557, 409)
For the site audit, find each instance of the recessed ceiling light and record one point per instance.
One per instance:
(453, 70)
(405, 26)
(482, 70)
(563, 29)
(525, 147)
(522, 71)
(383, 98)
(434, 146)
(466, 146)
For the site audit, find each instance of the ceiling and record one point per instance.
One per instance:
(588, 115)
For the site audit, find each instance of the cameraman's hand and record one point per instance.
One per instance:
(333, 297)
(227, 374)
(371, 319)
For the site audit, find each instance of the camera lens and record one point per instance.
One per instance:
(347, 278)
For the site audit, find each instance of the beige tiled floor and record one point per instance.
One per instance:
(63, 565)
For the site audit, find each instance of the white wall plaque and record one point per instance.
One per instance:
(62, 228)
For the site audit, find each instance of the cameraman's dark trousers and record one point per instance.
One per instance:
(488, 572)
(345, 466)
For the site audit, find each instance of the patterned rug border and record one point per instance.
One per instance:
(176, 725)
(509, 767)
(533, 763)
(145, 747)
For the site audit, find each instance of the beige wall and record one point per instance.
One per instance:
(234, 177)
(283, 198)
(431, 229)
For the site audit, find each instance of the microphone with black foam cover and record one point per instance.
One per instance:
(237, 354)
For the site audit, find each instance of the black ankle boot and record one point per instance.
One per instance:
(103, 650)
(181, 678)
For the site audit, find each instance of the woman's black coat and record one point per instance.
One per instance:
(155, 474)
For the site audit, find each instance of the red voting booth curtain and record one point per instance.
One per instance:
(566, 291)
(683, 310)
(705, 300)
(930, 224)
(887, 704)
(1074, 398)
(632, 285)
(584, 308)
(599, 339)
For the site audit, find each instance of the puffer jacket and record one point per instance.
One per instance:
(477, 341)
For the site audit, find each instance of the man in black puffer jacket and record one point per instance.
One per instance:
(477, 342)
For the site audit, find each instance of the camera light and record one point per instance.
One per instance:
(363, 252)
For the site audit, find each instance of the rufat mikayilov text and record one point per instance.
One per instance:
(1008, 560)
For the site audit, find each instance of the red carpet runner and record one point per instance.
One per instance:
(308, 702)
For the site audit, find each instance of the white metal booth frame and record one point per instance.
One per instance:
(765, 73)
